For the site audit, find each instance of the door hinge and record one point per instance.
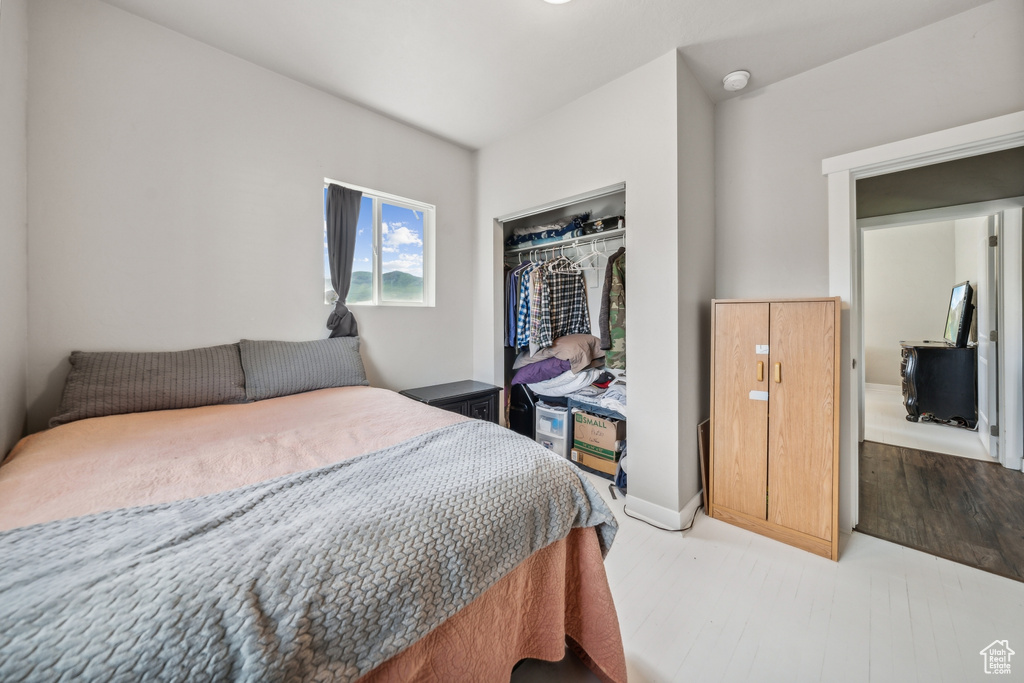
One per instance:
(993, 430)
(993, 240)
(993, 336)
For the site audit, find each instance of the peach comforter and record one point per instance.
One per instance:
(558, 594)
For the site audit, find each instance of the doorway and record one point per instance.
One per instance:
(942, 488)
(843, 174)
(909, 267)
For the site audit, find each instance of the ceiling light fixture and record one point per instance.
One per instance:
(556, 2)
(737, 80)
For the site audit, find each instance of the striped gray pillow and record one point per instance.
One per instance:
(117, 382)
(279, 368)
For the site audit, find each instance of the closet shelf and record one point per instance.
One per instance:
(585, 239)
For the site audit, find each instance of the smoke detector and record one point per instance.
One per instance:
(737, 80)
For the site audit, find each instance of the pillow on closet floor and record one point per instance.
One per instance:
(579, 349)
(538, 372)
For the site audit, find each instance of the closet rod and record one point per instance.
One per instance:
(617, 233)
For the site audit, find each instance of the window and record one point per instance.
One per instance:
(393, 260)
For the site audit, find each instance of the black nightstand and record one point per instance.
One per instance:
(469, 398)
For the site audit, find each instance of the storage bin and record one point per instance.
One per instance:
(552, 421)
(553, 443)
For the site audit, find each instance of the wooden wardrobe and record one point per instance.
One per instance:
(775, 419)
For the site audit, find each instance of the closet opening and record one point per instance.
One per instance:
(564, 318)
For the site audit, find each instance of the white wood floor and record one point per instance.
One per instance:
(885, 421)
(718, 603)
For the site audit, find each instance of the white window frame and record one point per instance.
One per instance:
(429, 212)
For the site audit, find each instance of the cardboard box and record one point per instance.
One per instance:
(598, 436)
(593, 462)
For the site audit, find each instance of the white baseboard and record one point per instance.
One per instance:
(894, 388)
(671, 520)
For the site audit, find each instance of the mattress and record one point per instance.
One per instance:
(139, 466)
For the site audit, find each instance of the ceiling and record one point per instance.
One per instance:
(475, 71)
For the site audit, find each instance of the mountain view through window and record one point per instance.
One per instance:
(400, 237)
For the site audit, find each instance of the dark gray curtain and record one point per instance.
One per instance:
(342, 216)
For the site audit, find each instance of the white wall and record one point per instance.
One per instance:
(771, 199)
(695, 267)
(971, 235)
(635, 129)
(176, 201)
(909, 272)
(13, 211)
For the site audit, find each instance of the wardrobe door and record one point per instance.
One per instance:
(740, 422)
(801, 423)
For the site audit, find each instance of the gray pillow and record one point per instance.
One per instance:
(117, 382)
(278, 368)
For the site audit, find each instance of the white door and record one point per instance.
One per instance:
(987, 313)
(1010, 420)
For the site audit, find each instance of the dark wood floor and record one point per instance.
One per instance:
(965, 510)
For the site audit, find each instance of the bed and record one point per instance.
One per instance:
(343, 534)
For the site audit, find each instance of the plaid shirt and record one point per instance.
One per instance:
(522, 335)
(558, 307)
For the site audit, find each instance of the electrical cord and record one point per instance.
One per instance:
(625, 511)
(612, 488)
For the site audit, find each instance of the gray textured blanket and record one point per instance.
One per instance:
(320, 575)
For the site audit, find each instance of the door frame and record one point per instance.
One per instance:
(842, 172)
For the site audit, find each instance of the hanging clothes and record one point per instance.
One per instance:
(523, 307)
(606, 339)
(570, 310)
(558, 304)
(509, 322)
(513, 280)
(515, 316)
(616, 356)
(540, 320)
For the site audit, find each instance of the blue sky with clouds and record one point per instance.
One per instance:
(401, 240)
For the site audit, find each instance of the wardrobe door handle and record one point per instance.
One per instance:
(760, 371)
(778, 373)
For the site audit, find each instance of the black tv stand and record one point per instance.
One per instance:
(940, 383)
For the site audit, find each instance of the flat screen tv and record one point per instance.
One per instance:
(961, 311)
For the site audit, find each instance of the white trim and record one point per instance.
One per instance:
(669, 520)
(412, 203)
(972, 139)
(945, 213)
(891, 388)
(559, 203)
(982, 137)
(1009, 346)
(844, 282)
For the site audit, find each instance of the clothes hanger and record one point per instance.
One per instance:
(563, 265)
(592, 254)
